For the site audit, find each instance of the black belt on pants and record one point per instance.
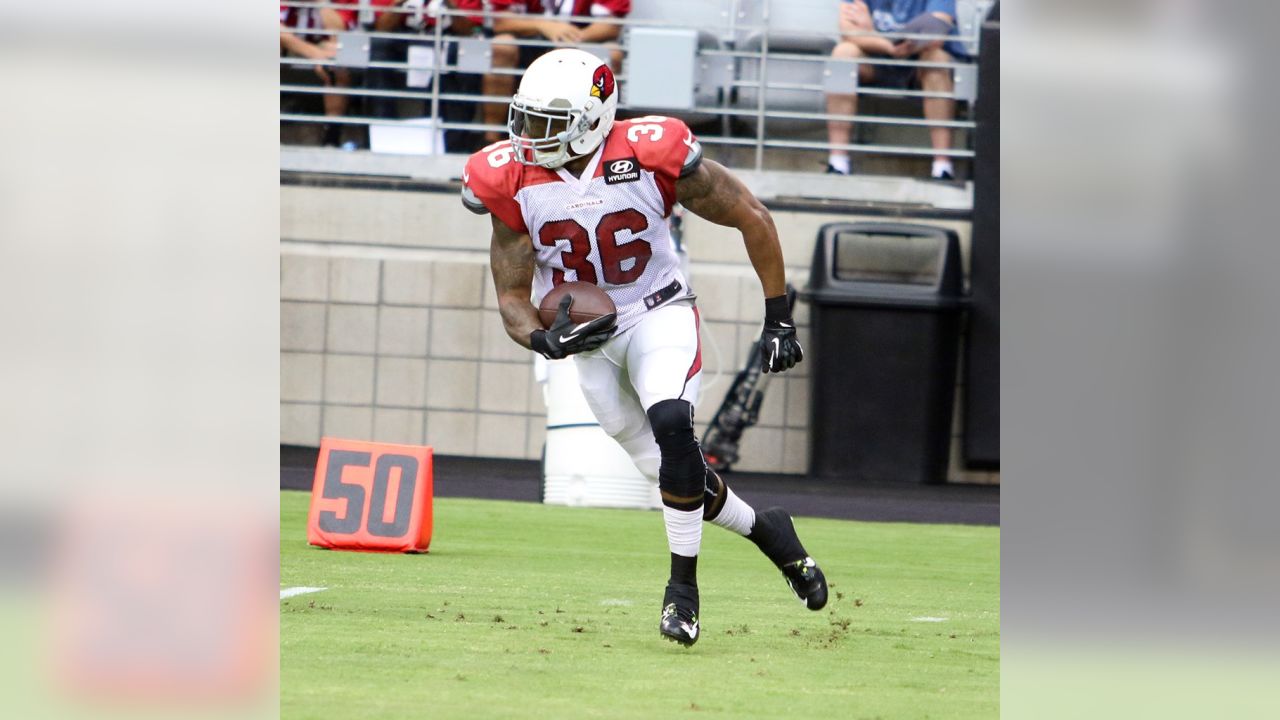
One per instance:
(663, 295)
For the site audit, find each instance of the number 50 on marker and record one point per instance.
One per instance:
(371, 496)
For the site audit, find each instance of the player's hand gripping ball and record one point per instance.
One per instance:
(589, 303)
(577, 317)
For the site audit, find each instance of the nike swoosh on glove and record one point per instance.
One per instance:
(565, 337)
(779, 347)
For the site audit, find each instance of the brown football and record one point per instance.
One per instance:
(589, 303)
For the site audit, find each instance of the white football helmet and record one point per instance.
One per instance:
(563, 108)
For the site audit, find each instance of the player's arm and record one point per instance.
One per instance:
(713, 193)
(511, 260)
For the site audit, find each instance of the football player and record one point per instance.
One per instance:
(575, 195)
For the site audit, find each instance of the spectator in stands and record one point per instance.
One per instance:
(419, 18)
(302, 34)
(544, 23)
(927, 17)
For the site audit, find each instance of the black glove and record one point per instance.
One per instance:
(565, 338)
(779, 348)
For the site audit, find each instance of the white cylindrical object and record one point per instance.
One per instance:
(582, 465)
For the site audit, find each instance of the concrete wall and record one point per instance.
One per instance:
(390, 330)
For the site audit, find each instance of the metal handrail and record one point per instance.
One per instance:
(737, 29)
(742, 31)
(704, 139)
(707, 110)
(756, 55)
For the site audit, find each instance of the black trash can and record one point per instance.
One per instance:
(886, 301)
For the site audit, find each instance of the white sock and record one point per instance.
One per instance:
(839, 162)
(735, 514)
(684, 530)
(942, 165)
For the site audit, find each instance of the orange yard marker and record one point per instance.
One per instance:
(371, 496)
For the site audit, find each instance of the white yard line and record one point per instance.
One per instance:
(290, 592)
(928, 619)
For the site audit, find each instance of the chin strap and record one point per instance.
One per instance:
(570, 157)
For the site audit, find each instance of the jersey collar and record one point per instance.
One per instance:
(582, 184)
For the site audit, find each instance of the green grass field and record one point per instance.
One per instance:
(529, 611)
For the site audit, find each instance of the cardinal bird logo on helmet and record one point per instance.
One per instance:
(602, 83)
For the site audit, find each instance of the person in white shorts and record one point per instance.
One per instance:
(575, 196)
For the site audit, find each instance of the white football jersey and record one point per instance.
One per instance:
(609, 229)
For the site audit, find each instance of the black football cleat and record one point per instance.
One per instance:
(680, 614)
(807, 582)
(776, 536)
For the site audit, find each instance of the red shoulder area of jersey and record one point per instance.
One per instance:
(494, 177)
(656, 143)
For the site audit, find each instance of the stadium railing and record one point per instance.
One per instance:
(758, 61)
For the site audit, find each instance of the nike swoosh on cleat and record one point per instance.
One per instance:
(692, 630)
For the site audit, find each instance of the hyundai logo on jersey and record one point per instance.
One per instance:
(620, 171)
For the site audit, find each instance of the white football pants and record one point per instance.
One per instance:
(658, 358)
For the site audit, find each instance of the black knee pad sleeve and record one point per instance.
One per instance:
(682, 473)
(671, 418)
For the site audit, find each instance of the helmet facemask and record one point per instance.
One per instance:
(563, 110)
(542, 135)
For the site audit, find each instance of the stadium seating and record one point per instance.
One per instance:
(784, 71)
(709, 17)
(712, 19)
(795, 27)
(798, 36)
